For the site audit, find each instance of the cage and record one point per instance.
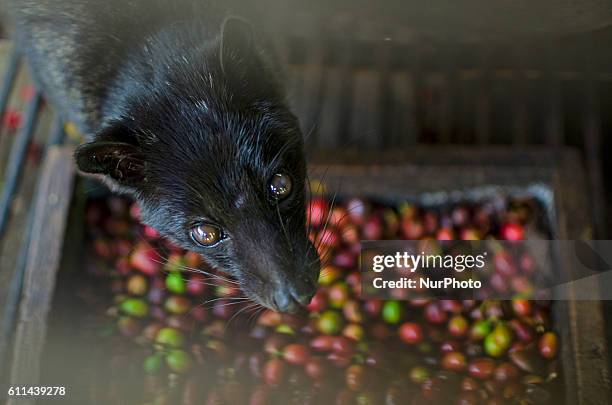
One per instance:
(404, 94)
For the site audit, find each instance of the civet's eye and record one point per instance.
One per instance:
(280, 186)
(206, 234)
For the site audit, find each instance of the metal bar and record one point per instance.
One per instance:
(57, 131)
(15, 163)
(8, 80)
(9, 315)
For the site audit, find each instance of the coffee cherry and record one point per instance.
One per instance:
(344, 337)
(327, 238)
(330, 322)
(521, 307)
(169, 337)
(392, 312)
(480, 329)
(522, 331)
(434, 313)
(458, 326)
(450, 346)
(445, 234)
(340, 360)
(137, 285)
(316, 212)
(355, 377)
(411, 333)
(275, 343)
(329, 274)
(454, 361)
(318, 302)
(506, 372)
(339, 217)
(418, 374)
(492, 348)
(296, 354)
(193, 260)
(460, 216)
(470, 234)
(274, 372)
(354, 331)
(338, 294)
(269, 318)
(527, 264)
(345, 259)
(177, 304)
(548, 345)
(175, 283)
(128, 326)
(373, 307)
(372, 229)
(411, 228)
(322, 343)
(357, 210)
(316, 368)
(452, 306)
(512, 231)
(352, 311)
(145, 259)
(482, 368)
(502, 335)
(135, 307)
(343, 345)
(153, 364)
(178, 361)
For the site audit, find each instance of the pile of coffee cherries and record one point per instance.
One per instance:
(203, 342)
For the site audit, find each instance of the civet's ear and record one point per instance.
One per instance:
(120, 163)
(237, 45)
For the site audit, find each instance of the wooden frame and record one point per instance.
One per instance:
(457, 172)
(52, 202)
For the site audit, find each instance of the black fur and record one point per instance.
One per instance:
(186, 113)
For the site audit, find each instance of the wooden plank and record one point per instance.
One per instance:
(585, 349)
(53, 198)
